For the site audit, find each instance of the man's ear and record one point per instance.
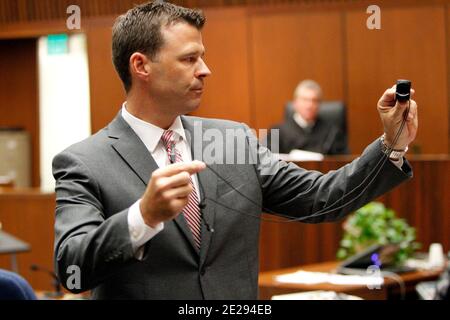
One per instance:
(140, 66)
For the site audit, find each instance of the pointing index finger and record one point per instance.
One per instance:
(192, 167)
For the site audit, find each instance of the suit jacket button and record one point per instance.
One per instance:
(203, 272)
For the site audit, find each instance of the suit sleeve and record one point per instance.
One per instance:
(99, 247)
(293, 191)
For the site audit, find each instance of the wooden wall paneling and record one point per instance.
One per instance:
(225, 38)
(289, 47)
(296, 243)
(106, 90)
(411, 45)
(12, 11)
(292, 234)
(30, 216)
(447, 19)
(287, 244)
(34, 10)
(312, 242)
(272, 69)
(19, 93)
(422, 201)
(330, 233)
(330, 236)
(270, 251)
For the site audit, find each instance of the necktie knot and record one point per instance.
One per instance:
(168, 139)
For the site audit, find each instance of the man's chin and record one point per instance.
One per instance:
(192, 107)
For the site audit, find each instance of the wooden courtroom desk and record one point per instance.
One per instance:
(269, 286)
(29, 215)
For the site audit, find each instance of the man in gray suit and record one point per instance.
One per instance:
(139, 217)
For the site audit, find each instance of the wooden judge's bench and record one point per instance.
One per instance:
(28, 214)
(400, 287)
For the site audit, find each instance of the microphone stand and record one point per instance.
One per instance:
(56, 283)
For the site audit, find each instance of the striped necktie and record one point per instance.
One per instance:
(192, 210)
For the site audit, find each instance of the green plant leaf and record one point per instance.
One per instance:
(376, 224)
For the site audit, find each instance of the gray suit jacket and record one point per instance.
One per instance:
(98, 179)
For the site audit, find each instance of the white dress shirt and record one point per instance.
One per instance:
(302, 122)
(150, 135)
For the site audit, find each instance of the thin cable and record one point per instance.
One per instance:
(398, 280)
(327, 209)
(318, 213)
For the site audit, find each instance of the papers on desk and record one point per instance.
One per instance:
(301, 155)
(307, 277)
(315, 295)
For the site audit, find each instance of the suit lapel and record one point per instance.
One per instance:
(133, 151)
(207, 182)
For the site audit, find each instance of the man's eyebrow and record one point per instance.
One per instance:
(193, 53)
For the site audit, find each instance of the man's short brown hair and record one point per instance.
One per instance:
(139, 30)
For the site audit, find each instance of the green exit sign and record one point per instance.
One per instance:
(57, 44)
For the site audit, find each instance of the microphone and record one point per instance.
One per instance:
(56, 283)
(208, 227)
(202, 205)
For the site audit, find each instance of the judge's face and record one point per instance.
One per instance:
(178, 71)
(307, 104)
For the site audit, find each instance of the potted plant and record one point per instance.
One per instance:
(376, 224)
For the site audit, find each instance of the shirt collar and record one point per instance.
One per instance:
(149, 133)
(302, 122)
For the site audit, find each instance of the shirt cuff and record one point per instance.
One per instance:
(140, 233)
(398, 163)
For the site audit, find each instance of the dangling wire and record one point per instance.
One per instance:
(327, 209)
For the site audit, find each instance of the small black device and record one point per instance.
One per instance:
(402, 93)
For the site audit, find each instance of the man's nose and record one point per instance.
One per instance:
(203, 70)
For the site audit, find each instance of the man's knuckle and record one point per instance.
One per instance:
(164, 196)
(186, 175)
(156, 174)
(159, 184)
